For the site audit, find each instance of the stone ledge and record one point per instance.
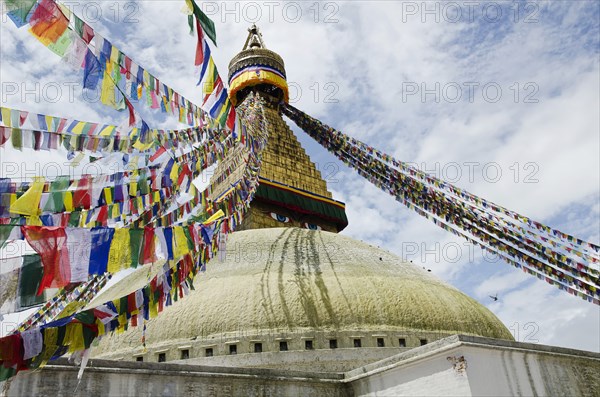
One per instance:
(490, 342)
(99, 365)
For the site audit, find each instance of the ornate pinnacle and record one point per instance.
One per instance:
(254, 39)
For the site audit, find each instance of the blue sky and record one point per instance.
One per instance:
(355, 66)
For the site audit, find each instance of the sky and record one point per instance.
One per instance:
(499, 98)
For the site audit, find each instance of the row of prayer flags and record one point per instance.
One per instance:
(470, 221)
(24, 351)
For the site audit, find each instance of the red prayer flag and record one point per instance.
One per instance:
(5, 133)
(200, 45)
(51, 244)
(131, 112)
(88, 33)
(82, 196)
(231, 119)
(131, 302)
(48, 22)
(157, 154)
(102, 215)
(11, 351)
(149, 251)
(22, 117)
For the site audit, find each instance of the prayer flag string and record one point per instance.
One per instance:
(574, 270)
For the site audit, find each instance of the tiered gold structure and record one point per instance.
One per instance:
(292, 192)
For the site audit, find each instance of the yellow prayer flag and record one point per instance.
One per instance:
(6, 117)
(122, 320)
(100, 325)
(224, 109)
(217, 215)
(28, 204)
(209, 83)
(114, 55)
(50, 123)
(78, 130)
(180, 247)
(133, 187)
(68, 201)
(65, 10)
(115, 211)
(108, 130)
(174, 175)
(190, 9)
(133, 133)
(107, 94)
(108, 195)
(119, 256)
(153, 309)
(50, 346)
(74, 337)
(146, 78)
(142, 147)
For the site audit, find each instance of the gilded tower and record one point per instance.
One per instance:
(292, 192)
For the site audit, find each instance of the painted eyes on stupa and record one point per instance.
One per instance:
(280, 218)
(311, 226)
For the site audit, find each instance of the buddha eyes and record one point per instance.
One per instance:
(280, 218)
(286, 219)
(312, 226)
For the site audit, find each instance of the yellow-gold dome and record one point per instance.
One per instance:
(294, 284)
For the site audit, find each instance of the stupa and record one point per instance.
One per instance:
(293, 308)
(290, 291)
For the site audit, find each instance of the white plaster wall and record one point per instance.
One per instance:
(485, 368)
(500, 373)
(431, 376)
(510, 372)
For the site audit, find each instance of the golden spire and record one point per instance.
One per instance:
(292, 191)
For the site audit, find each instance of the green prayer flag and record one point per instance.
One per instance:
(123, 305)
(6, 373)
(191, 23)
(205, 22)
(135, 242)
(29, 281)
(5, 233)
(61, 45)
(225, 115)
(17, 138)
(74, 219)
(88, 336)
(143, 182)
(60, 338)
(57, 191)
(86, 317)
(19, 10)
(78, 25)
(12, 5)
(188, 237)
